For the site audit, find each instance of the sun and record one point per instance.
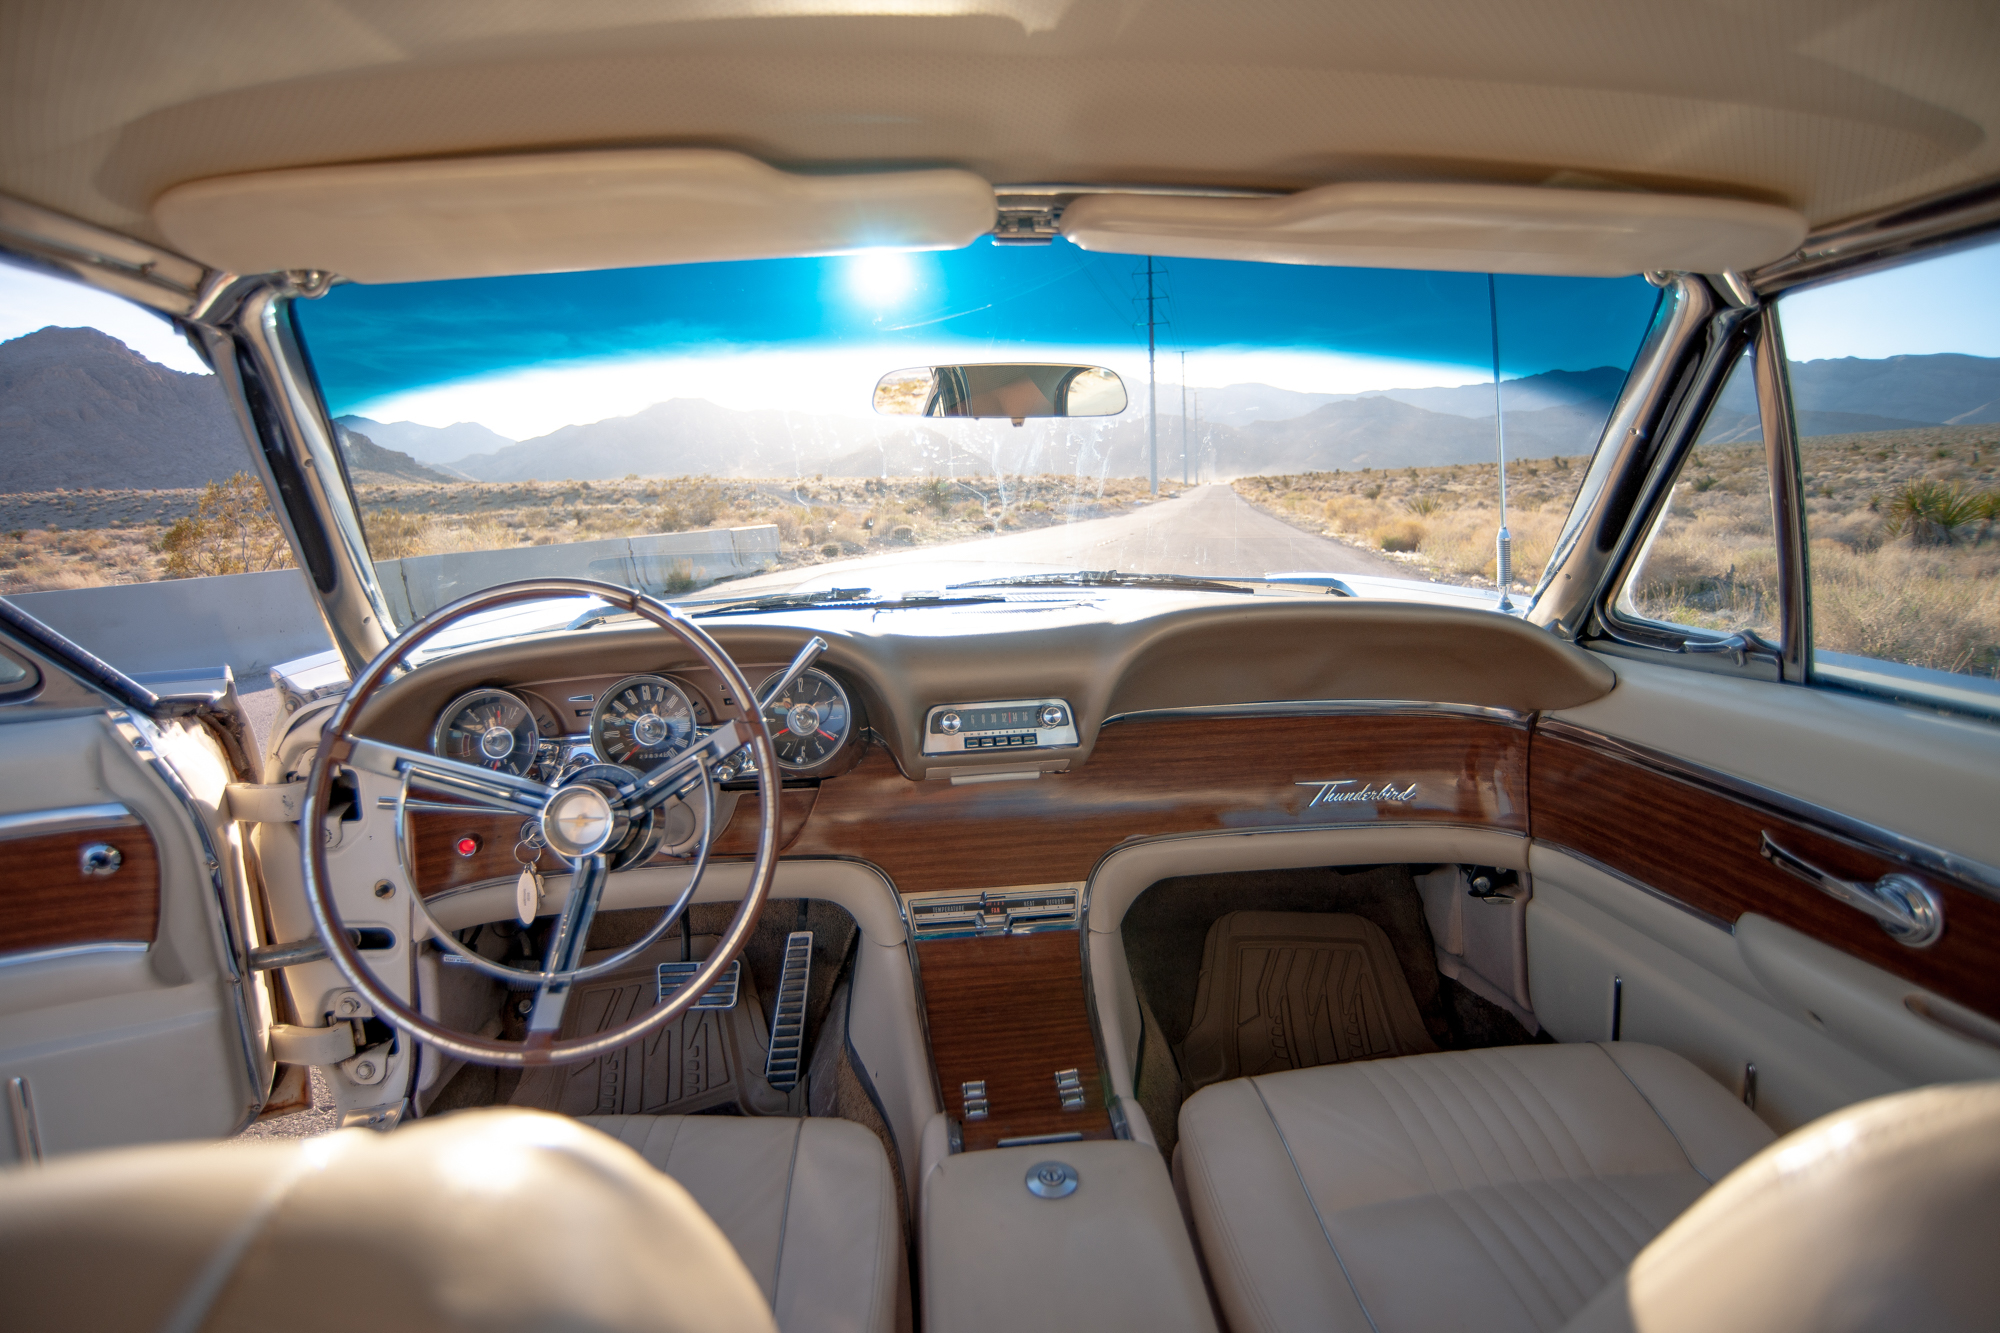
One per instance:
(880, 278)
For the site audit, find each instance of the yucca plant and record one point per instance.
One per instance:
(1933, 513)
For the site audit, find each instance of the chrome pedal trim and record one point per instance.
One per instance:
(722, 995)
(788, 1014)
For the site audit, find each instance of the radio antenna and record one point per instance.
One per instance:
(1504, 543)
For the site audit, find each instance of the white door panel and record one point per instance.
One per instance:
(1684, 985)
(147, 1040)
(1881, 1017)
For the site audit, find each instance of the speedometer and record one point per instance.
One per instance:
(641, 721)
(490, 728)
(809, 721)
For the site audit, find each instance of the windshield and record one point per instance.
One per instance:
(901, 421)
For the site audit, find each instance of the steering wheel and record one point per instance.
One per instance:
(600, 818)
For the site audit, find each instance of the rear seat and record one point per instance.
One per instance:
(1496, 1190)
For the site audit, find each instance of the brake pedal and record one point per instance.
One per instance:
(788, 1014)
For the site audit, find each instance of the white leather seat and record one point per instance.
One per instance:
(485, 1220)
(810, 1206)
(1876, 1218)
(1495, 1189)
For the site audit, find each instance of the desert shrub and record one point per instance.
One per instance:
(689, 502)
(1934, 513)
(936, 493)
(1423, 506)
(231, 531)
(393, 534)
(1398, 535)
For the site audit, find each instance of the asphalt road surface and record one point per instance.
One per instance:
(1208, 532)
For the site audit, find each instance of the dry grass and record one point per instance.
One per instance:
(1904, 529)
(1441, 521)
(1902, 553)
(82, 539)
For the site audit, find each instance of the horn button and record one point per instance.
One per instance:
(582, 819)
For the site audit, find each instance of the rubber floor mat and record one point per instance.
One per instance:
(704, 1060)
(1289, 990)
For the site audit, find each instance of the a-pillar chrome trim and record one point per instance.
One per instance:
(249, 338)
(1589, 546)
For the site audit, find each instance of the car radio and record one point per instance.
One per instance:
(1008, 724)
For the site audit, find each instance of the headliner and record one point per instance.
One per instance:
(1832, 107)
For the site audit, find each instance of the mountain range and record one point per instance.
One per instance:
(78, 409)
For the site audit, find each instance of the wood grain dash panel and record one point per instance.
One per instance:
(1009, 1009)
(1155, 776)
(1699, 844)
(739, 833)
(47, 902)
(439, 868)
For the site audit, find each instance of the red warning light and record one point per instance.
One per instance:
(468, 845)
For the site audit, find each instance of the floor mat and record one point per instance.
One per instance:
(708, 1059)
(1289, 990)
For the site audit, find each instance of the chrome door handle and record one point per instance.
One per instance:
(1908, 909)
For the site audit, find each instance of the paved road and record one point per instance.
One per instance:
(1209, 532)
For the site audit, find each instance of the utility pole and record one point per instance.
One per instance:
(1152, 387)
(1184, 423)
(1503, 545)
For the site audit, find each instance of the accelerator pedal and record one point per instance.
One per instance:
(722, 995)
(788, 1013)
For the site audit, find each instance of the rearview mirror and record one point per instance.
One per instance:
(1016, 392)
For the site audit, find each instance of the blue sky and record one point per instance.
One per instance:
(525, 354)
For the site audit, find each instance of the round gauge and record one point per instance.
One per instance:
(809, 721)
(641, 721)
(490, 728)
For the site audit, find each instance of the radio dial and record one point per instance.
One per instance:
(949, 724)
(1052, 716)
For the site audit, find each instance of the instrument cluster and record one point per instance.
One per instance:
(638, 722)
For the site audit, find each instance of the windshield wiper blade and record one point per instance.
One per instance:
(1105, 578)
(832, 599)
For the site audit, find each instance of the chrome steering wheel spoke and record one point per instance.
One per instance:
(502, 792)
(566, 945)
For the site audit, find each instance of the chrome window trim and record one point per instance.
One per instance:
(1781, 456)
(1976, 876)
(27, 957)
(1729, 332)
(67, 819)
(1883, 238)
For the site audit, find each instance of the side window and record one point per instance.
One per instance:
(1711, 559)
(1895, 383)
(130, 520)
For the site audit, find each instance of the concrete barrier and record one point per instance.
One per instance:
(661, 563)
(253, 621)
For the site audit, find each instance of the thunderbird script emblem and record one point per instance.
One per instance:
(1341, 790)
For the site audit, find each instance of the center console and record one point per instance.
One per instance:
(1041, 1213)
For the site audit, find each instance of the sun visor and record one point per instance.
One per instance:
(1468, 228)
(472, 217)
